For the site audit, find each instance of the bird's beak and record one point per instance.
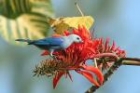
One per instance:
(82, 41)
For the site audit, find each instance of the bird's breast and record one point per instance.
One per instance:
(66, 44)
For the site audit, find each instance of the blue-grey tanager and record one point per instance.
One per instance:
(54, 43)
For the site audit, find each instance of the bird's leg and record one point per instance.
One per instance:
(51, 54)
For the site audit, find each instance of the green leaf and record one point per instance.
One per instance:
(42, 6)
(14, 8)
(25, 19)
(26, 26)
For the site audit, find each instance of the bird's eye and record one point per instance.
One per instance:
(78, 38)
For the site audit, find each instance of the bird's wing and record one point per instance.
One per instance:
(52, 41)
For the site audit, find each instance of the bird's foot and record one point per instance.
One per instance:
(54, 57)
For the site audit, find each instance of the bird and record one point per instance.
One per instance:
(54, 43)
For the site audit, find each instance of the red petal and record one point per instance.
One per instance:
(97, 72)
(66, 33)
(113, 46)
(89, 76)
(57, 78)
(107, 45)
(45, 53)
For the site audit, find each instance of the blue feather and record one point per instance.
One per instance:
(52, 41)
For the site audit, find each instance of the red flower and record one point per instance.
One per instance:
(75, 57)
(63, 65)
(107, 54)
(84, 51)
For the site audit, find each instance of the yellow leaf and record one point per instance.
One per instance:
(62, 24)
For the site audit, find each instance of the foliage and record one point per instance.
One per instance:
(25, 19)
(62, 24)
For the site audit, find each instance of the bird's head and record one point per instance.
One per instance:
(75, 38)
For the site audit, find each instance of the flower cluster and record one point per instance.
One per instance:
(75, 58)
(107, 54)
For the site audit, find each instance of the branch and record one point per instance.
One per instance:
(117, 64)
(131, 61)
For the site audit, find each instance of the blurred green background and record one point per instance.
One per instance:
(117, 19)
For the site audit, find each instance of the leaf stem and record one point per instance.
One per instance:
(76, 4)
(95, 63)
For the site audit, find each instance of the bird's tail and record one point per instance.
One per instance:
(24, 40)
